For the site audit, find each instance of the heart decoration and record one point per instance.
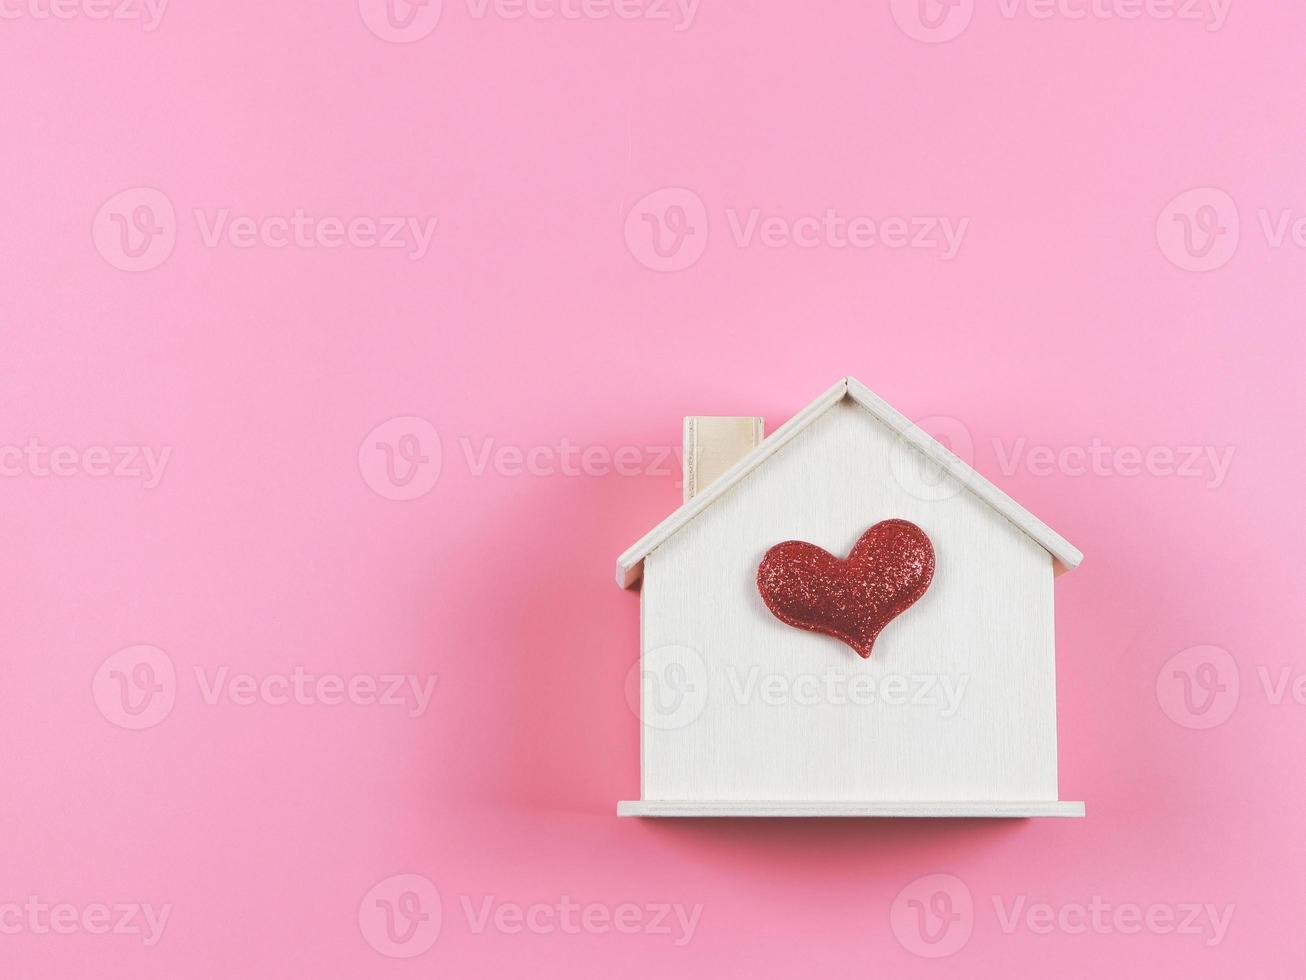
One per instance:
(852, 598)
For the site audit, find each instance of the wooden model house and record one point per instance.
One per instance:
(916, 677)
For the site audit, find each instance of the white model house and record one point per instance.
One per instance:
(954, 712)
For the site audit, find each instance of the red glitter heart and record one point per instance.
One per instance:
(852, 598)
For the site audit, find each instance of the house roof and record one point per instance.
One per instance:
(630, 564)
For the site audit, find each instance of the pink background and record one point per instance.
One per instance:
(1064, 318)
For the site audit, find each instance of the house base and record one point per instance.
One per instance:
(763, 808)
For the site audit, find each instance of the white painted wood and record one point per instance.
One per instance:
(1067, 556)
(714, 443)
(630, 563)
(984, 628)
(661, 808)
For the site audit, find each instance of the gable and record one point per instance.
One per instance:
(841, 475)
(906, 457)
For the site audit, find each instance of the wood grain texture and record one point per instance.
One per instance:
(985, 627)
(713, 444)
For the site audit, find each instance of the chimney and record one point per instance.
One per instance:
(713, 444)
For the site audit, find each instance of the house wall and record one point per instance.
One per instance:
(958, 701)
